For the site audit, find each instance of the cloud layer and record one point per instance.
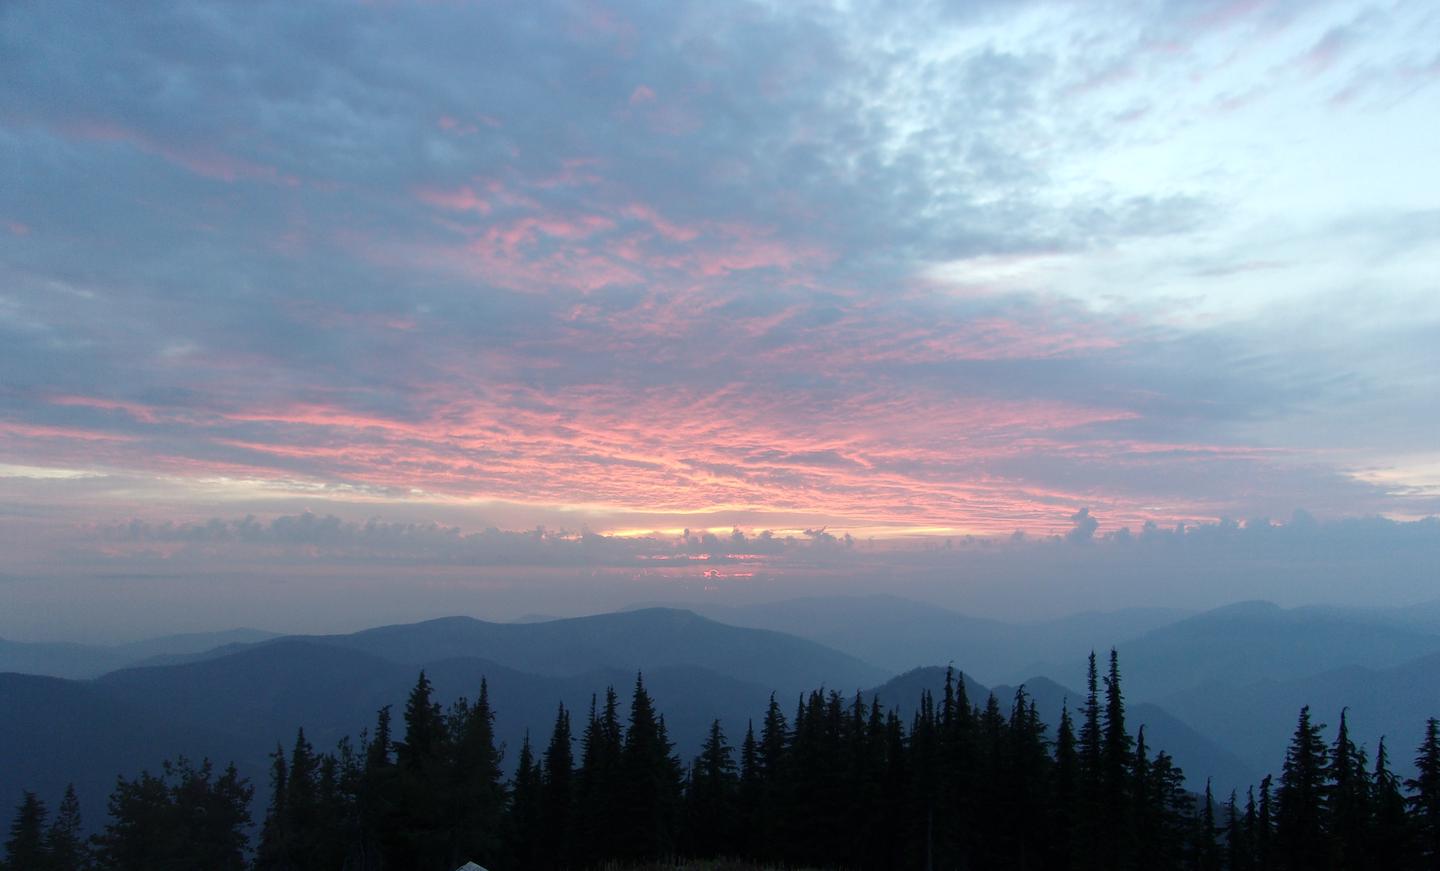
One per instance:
(963, 270)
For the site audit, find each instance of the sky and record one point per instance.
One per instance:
(424, 303)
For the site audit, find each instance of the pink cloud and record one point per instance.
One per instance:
(17, 228)
(642, 94)
(204, 161)
(463, 199)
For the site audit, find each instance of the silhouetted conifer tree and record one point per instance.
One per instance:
(711, 799)
(1067, 785)
(1425, 801)
(1089, 813)
(1349, 800)
(557, 799)
(1391, 841)
(188, 818)
(64, 840)
(1238, 855)
(1264, 834)
(597, 811)
(273, 853)
(1116, 752)
(526, 814)
(1300, 820)
(650, 782)
(473, 786)
(1206, 851)
(25, 848)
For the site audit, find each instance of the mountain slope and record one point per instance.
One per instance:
(238, 703)
(628, 641)
(1198, 755)
(1252, 641)
(900, 634)
(64, 659)
(1258, 719)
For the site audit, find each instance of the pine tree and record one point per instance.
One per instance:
(1425, 800)
(273, 852)
(711, 808)
(1264, 834)
(525, 817)
(1149, 802)
(1116, 753)
(649, 778)
(557, 798)
(598, 809)
(1300, 823)
(1207, 852)
(302, 806)
(1237, 846)
(750, 795)
(378, 803)
(64, 842)
(188, 818)
(422, 821)
(1391, 840)
(1089, 837)
(1349, 799)
(474, 783)
(26, 847)
(773, 810)
(1067, 777)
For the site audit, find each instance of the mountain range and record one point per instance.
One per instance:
(1219, 690)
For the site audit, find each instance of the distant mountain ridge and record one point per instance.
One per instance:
(899, 634)
(79, 661)
(239, 701)
(624, 640)
(1253, 641)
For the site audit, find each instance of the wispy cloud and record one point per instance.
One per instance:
(956, 270)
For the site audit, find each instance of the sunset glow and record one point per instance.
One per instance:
(627, 271)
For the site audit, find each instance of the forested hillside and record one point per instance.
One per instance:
(836, 783)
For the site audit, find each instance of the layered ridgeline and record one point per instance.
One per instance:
(1226, 714)
(80, 661)
(1251, 657)
(235, 702)
(841, 783)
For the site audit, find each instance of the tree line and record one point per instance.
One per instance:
(839, 782)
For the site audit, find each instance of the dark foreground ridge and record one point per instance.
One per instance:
(841, 783)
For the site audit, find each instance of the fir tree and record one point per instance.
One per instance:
(1349, 799)
(1300, 830)
(1067, 777)
(1391, 841)
(525, 817)
(1089, 837)
(1264, 833)
(1206, 851)
(711, 808)
(1425, 799)
(1116, 753)
(64, 842)
(187, 818)
(473, 783)
(1237, 844)
(25, 847)
(750, 797)
(597, 810)
(557, 798)
(422, 820)
(273, 853)
(649, 778)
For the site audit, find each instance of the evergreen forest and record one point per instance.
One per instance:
(834, 783)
